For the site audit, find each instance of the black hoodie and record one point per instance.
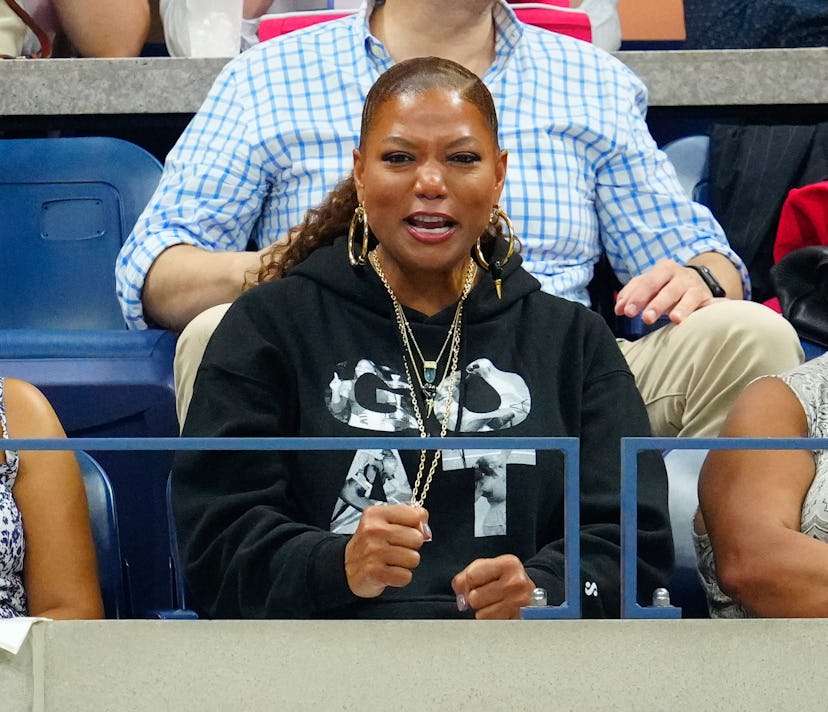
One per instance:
(318, 353)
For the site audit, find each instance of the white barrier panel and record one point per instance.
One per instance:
(417, 665)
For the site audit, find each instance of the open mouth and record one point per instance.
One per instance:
(431, 225)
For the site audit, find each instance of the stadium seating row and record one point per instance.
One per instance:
(116, 574)
(66, 205)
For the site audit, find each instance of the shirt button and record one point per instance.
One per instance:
(376, 50)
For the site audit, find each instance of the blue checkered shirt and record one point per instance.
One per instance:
(277, 130)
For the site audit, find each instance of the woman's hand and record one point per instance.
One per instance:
(495, 588)
(384, 550)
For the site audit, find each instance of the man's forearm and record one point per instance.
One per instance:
(185, 280)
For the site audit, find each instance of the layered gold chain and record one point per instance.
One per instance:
(449, 375)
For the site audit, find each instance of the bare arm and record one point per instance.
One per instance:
(105, 28)
(674, 289)
(256, 8)
(59, 570)
(185, 280)
(751, 501)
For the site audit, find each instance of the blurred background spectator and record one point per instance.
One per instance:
(759, 24)
(86, 28)
(12, 32)
(603, 16)
(178, 16)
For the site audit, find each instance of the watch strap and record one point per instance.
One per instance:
(712, 283)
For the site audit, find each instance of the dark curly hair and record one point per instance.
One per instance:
(326, 222)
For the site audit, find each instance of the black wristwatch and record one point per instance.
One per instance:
(712, 283)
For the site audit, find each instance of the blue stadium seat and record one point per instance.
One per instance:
(66, 207)
(689, 156)
(181, 594)
(112, 569)
(686, 591)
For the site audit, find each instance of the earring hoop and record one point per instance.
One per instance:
(360, 216)
(496, 267)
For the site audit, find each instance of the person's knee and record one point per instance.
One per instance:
(198, 332)
(748, 331)
(189, 351)
(725, 346)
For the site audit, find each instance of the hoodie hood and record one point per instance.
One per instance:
(329, 268)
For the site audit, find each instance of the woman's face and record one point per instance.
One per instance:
(428, 173)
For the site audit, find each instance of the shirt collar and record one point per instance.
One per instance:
(376, 51)
(508, 33)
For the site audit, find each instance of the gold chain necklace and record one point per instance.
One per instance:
(449, 375)
(427, 383)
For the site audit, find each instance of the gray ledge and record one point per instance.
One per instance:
(144, 665)
(168, 86)
(733, 77)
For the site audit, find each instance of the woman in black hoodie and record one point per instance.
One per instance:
(432, 329)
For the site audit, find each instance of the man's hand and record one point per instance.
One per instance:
(495, 588)
(668, 288)
(384, 550)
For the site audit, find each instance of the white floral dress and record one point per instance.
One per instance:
(809, 382)
(12, 547)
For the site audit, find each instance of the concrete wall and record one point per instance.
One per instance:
(417, 665)
(169, 86)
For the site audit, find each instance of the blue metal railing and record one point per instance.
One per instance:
(569, 447)
(630, 448)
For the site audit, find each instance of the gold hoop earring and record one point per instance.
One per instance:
(360, 216)
(496, 268)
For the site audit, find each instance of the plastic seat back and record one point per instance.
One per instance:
(686, 591)
(180, 592)
(690, 157)
(103, 518)
(282, 23)
(555, 17)
(66, 207)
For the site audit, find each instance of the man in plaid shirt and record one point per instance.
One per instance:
(585, 180)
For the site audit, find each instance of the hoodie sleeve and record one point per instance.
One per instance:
(611, 409)
(245, 552)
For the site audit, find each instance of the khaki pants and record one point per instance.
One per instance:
(12, 32)
(188, 353)
(689, 374)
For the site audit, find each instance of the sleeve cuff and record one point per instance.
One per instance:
(327, 584)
